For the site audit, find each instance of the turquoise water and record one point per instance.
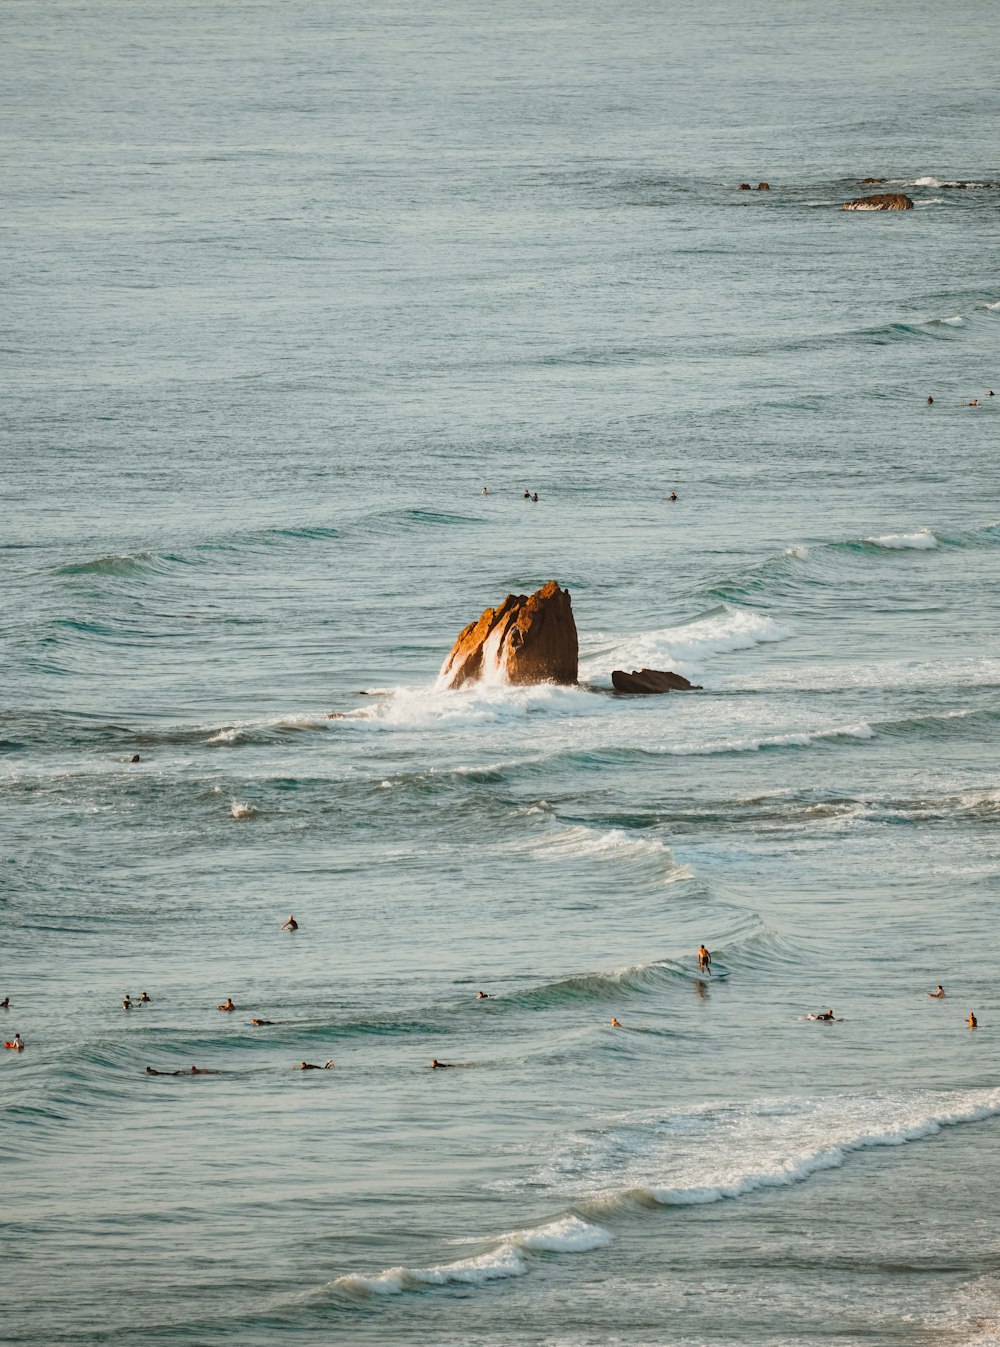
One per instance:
(285, 287)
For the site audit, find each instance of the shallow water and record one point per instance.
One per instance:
(285, 288)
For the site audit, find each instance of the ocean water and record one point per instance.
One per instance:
(284, 287)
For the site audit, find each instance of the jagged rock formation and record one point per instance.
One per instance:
(651, 680)
(880, 201)
(528, 639)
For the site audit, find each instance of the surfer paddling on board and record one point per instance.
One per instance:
(972, 1022)
(291, 924)
(704, 960)
(936, 996)
(16, 1044)
(311, 1066)
(227, 1004)
(824, 1015)
(616, 1024)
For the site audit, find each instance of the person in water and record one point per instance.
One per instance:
(5, 1003)
(17, 1043)
(126, 1002)
(484, 492)
(291, 924)
(615, 1024)
(135, 758)
(202, 1071)
(484, 996)
(311, 1066)
(150, 1071)
(930, 402)
(144, 999)
(535, 496)
(227, 1004)
(704, 960)
(972, 1022)
(526, 496)
(936, 996)
(824, 1015)
(673, 496)
(257, 1024)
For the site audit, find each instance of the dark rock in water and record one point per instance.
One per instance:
(743, 187)
(871, 182)
(763, 187)
(880, 201)
(528, 639)
(651, 680)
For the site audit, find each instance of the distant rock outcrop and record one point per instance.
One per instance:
(528, 639)
(880, 201)
(651, 680)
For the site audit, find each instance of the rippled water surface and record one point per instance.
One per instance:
(285, 288)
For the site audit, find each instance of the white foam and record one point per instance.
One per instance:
(956, 321)
(920, 540)
(992, 306)
(569, 1234)
(797, 550)
(241, 809)
(715, 1153)
(430, 708)
(754, 743)
(926, 182)
(685, 648)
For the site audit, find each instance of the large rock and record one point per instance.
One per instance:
(651, 680)
(880, 201)
(526, 640)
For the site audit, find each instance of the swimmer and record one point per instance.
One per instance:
(823, 1015)
(5, 1003)
(438, 1066)
(930, 402)
(673, 496)
(535, 496)
(151, 1072)
(526, 496)
(227, 1004)
(484, 996)
(972, 1021)
(144, 1000)
(126, 1002)
(991, 394)
(257, 1024)
(615, 1024)
(291, 924)
(484, 492)
(704, 960)
(973, 403)
(16, 1043)
(201, 1071)
(311, 1066)
(135, 758)
(936, 996)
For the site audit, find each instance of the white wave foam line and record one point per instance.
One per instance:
(797, 550)
(956, 321)
(580, 841)
(686, 647)
(796, 739)
(920, 540)
(883, 674)
(569, 1234)
(724, 1152)
(992, 306)
(240, 809)
(230, 733)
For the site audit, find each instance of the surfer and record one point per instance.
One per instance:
(930, 402)
(936, 996)
(291, 924)
(527, 495)
(823, 1015)
(227, 1004)
(16, 1043)
(201, 1071)
(972, 1021)
(615, 1024)
(311, 1066)
(5, 1003)
(673, 496)
(484, 492)
(126, 1002)
(535, 496)
(484, 996)
(144, 1000)
(704, 960)
(150, 1071)
(257, 1024)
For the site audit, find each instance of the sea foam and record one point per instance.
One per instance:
(922, 540)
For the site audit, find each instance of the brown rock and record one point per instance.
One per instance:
(651, 680)
(526, 640)
(871, 182)
(880, 201)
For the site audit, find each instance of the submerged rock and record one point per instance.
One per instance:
(871, 182)
(528, 639)
(651, 680)
(880, 201)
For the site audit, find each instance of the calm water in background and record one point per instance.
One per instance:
(284, 287)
